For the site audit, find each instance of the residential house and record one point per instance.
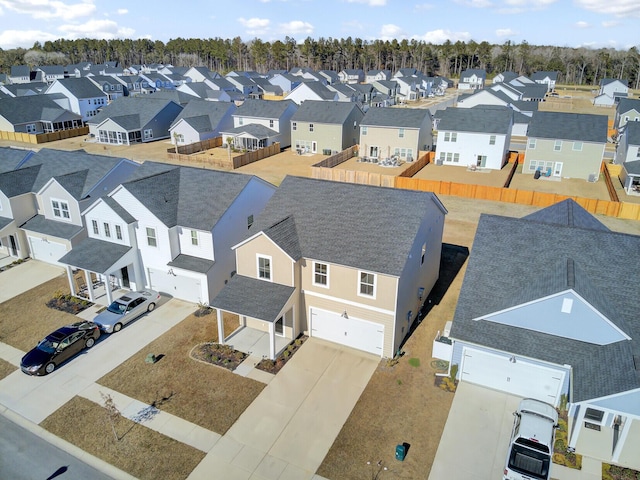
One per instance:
(373, 76)
(475, 138)
(46, 196)
(186, 221)
(51, 73)
(200, 74)
(299, 270)
(567, 331)
(351, 75)
(201, 120)
(546, 78)
(397, 132)
(35, 114)
(627, 110)
(204, 91)
(111, 86)
(244, 84)
(504, 77)
(325, 126)
(24, 89)
(628, 155)
(387, 92)
(472, 79)
(345, 91)
(328, 77)
(567, 145)
(129, 120)
(261, 123)
(285, 81)
(611, 91)
(20, 74)
(408, 89)
(85, 98)
(312, 91)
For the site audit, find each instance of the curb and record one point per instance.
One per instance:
(65, 446)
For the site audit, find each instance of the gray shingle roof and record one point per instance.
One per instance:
(319, 89)
(10, 158)
(324, 112)
(214, 112)
(632, 168)
(193, 264)
(632, 131)
(518, 259)
(253, 298)
(95, 255)
(569, 214)
(541, 75)
(189, 197)
(131, 112)
(263, 108)
(81, 87)
(40, 224)
(254, 129)
(32, 108)
(117, 208)
(285, 234)
(569, 126)
(627, 104)
(482, 119)
(18, 182)
(395, 117)
(360, 226)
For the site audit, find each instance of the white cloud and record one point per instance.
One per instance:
(391, 31)
(107, 29)
(50, 9)
(440, 36)
(424, 6)
(505, 32)
(24, 38)
(255, 26)
(610, 24)
(514, 7)
(371, 3)
(582, 24)
(296, 27)
(475, 3)
(122, 11)
(620, 8)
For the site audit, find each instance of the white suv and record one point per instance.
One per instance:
(531, 444)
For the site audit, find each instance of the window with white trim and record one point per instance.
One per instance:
(264, 267)
(194, 237)
(31, 128)
(557, 145)
(118, 232)
(320, 274)
(532, 143)
(367, 284)
(94, 224)
(447, 136)
(454, 136)
(152, 241)
(148, 133)
(107, 230)
(271, 123)
(60, 209)
(456, 157)
(401, 133)
(311, 127)
(363, 130)
(294, 126)
(492, 140)
(577, 146)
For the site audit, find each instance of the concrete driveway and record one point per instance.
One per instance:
(288, 429)
(35, 398)
(476, 436)
(25, 276)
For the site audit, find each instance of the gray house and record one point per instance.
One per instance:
(201, 120)
(325, 126)
(35, 114)
(628, 154)
(546, 311)
(566, 145)
(627, 110)
(130, 120)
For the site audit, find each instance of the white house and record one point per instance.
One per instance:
(85, 98)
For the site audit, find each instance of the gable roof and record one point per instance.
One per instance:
(33, 108)
(79, 87)
(627, 104)
(188, 197)
(541, 75)
(481, 119)
(395, 117)
(203, 115)
(632, 131)
(317, 111)
(571, 253)
(569, 126)
(345, 224)
(133, 111)
(10, 158)
(319, 89)
(263, 108)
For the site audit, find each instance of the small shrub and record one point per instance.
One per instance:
(454, 372)
(399, 381)
(558, 458)
(286, 353)
(298, 342)
(414, 362)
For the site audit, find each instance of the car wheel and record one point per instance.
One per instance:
(50, 367)
(90, 342)
(117, 327)
(151, 307)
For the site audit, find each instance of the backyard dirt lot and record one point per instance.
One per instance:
(461, 174)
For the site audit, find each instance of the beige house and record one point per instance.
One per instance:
(351, 264)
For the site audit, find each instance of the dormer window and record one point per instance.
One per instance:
(60, 209)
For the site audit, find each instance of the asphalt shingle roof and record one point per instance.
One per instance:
(32, 108)
(95, 255)
(131, 112)
(395, 117)
(482, 119)
(361, 226)
(10, 158)
(196, 109)
(530, 258)
(324, 112)
(193, 264)
(263, 108)
(569, 126)
(81, 87)
(40, 224)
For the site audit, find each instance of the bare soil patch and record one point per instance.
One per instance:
(142, 452)
(210, 397)
(6, 368)
(26, 319)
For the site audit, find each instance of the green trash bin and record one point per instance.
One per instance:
(401, 451)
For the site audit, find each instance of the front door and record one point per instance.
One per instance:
(13, 245)
(373, 152)
(124, 272)
(121, 137)
(557, 170)
(279, 327)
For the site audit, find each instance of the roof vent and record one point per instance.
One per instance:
(571, 273)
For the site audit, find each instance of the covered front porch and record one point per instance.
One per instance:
(266, 312)
(251, 137)
(96, 269)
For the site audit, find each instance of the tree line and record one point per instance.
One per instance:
(580, 66)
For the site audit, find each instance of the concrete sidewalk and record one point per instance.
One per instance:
(288, 429)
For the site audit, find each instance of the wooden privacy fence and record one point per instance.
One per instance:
(419, 164)
(43, 137)
(222, 162)
(250, 157)
(197, 146)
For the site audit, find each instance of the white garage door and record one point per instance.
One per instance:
(519, 378)
(352, 332)
(46, 250)
(178, 286)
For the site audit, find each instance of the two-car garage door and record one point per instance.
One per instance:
(349, 331)
(513, 375)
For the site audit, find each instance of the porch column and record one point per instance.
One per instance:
(87, 279)
(272, 341)
(293, 323)
(107, 289)
(220, 327)
(71, 282)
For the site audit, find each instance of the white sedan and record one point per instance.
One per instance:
(125, 309)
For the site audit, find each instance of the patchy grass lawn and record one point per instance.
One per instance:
(6, 368)
(204, 394)
(142, 452)
(26, 319)
(401, 404)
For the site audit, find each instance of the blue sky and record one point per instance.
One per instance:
(572, 23)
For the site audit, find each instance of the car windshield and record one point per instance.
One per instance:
(117, 307)
(47, 346)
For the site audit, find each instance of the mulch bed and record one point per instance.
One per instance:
(217, 354)
(274, 366)
(68, 303)
(13, 264)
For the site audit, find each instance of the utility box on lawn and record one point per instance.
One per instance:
(401, 451)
